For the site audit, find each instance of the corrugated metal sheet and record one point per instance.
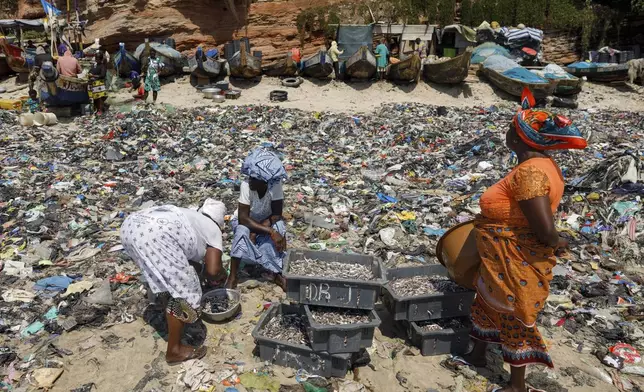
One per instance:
(408, 32)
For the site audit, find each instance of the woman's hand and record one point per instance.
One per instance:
(279, 240)
(562, 247)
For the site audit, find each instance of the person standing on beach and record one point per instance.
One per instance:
(334, 52)
(382, 54)
(150, 73)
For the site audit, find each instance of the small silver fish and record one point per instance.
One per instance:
(313, 267)
(423, 284)
(333, 316)
(288, 328)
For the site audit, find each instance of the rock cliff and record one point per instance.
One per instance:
(270, 25)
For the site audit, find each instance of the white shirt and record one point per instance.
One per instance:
(208, 233)
(260, 209)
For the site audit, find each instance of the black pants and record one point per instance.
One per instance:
(336, 68)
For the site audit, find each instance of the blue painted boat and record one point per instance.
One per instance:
(125, 62)
(59, 90)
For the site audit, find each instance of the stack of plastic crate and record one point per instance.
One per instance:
(436, 308)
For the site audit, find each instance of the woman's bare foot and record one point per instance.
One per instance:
(184, 353)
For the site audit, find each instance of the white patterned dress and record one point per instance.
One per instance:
(161, 240)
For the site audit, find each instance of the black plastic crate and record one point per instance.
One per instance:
(341, 338)
(329, 291)
(445, 341)
(297, 356)
(427, 306)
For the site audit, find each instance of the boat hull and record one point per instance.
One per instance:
(361, 65)
(283, 67)
(244, 65)
(452, 71)
(4, 66)
(615, 73)
(515, 87)
(64, 91)
(408, 70)
(318, 66)
(125, 63)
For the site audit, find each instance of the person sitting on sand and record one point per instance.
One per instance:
(258, 224)
(33, 103)
(161, 241)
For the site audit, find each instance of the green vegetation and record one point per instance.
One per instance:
(317, 19)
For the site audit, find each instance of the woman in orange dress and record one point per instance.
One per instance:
(517, 242)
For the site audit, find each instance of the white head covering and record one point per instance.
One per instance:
(215, 210)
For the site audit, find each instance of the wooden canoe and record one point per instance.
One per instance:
(515, 86)
(244, 65)
(452, 71)
(172, 60)
(611, 73)
(15, 57)
(4, 66)
(407, 70)
(361, 65)
(318, 66)
(64, 91)
(204, 70)
(565, 86)
(285, 66)
(125, 62)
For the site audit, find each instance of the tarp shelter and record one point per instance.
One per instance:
(408, 34)
(22, 23)
(351, 37)
(458, 37)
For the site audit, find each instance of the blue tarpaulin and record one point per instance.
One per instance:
(351, 38)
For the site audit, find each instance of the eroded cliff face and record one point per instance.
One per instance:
(270, 25)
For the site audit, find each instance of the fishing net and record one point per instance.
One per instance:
(486, 50)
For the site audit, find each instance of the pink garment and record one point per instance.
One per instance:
(68, 65)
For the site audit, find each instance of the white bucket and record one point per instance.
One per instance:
(41, 119)
(27, 119)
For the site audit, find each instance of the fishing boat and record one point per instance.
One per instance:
(450, 70)
(599, 72)
(171, 59)
(125, 62)
(243, 64)
(407, 70)
(318, 66)
(361, 65)
(204, 69)
(18, 60)
(59, 90)
(567, 84)
(513, 78)
(286, 66)
(4, 66)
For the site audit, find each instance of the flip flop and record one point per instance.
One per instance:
(531, 389)
(197, 353)
(454, 362)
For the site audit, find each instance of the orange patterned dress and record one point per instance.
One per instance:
(513, 280)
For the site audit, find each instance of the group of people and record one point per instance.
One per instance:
(382, 52)
(164, 242)
(515, 235)
(68, 65)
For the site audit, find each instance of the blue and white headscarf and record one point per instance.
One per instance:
(264, 165)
